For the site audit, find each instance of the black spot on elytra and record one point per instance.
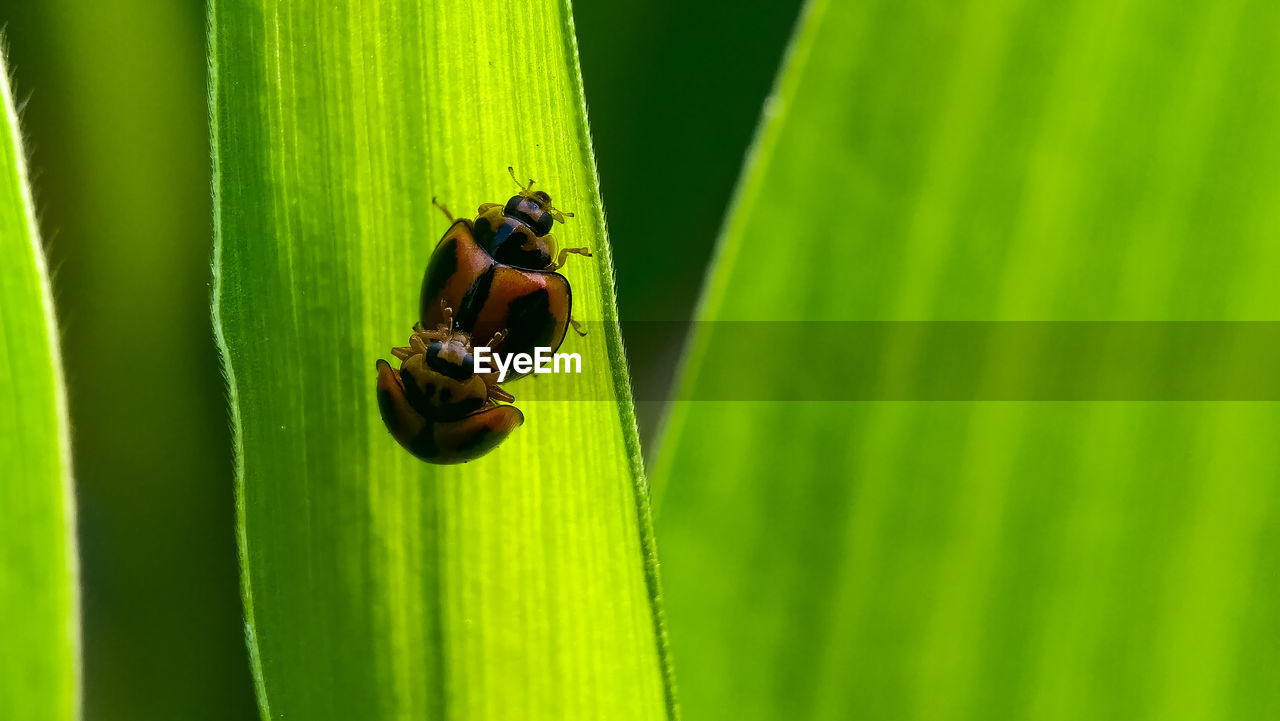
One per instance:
(386, 406)
(459, 410)
(475, 440)
(424, 444)
(529, 322)
(417, 399)
(475, 299)
(443, 263)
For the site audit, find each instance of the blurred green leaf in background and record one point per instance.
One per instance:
(116, 114)
(673, 106)
(40, 665)
(989, 160)
(522, 585)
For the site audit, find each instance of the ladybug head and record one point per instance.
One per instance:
(533, 207)
(438, 375)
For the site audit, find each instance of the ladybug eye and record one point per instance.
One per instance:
(543, 224)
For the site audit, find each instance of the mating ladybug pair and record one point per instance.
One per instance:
(492, 279)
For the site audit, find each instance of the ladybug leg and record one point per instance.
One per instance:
(496, 393)
(446, 321)
(577, 327)
(564, 255)
(417, 345)
(442, 331)
(418, 341)
(428, 335)
(442, 208)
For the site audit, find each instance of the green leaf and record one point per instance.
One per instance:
(522, 585)
(39, 669)
(992, 161)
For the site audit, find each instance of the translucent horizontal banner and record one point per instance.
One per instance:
(975, 361)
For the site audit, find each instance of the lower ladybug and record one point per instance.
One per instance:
(500, 273)
(436, 406)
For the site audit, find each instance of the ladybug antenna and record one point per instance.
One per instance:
(522, 185)
(558, 215)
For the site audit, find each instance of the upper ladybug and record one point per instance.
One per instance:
(500, 273)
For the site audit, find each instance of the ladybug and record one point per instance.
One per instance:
(500, 273)
(436, 406)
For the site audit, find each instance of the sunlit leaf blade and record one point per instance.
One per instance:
(39, 667)
(520, 586)
(989, 160)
